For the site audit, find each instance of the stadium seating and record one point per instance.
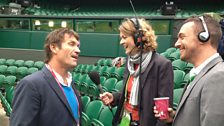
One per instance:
(10, 62)
(178, 78)
(109, 84)
(3, 69)
(38, 64)
(19, 63)
(2, 61)
(119, 86)
(11, 70)
(21, 72)
(31, 70)
(85, 101)
(29, 63)
(94, 109)
(179, 64)
(105, 118)
(176, 97)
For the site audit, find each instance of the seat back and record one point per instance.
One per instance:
(93, 109)
(176, 97)
(106, 116)
(85, 101)
(178, 78)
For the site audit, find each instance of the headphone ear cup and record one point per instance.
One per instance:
(136, 36)
(203, 36)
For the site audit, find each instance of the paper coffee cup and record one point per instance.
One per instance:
(162, 105)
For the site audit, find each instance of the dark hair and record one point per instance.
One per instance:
(214, 28)
(56, 37)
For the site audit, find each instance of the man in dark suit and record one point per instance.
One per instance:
(48, 97)
(202, 102)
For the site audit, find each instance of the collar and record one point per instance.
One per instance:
(195, 71)
(60, 79)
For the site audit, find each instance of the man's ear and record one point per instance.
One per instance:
(53, 48)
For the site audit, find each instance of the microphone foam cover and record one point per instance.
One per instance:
(95, 77)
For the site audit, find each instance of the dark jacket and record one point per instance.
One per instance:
(39, 101)
(156, 81)
(221, 42)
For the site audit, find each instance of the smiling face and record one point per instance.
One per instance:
(67, 55)
(128, 43)
(188, 42)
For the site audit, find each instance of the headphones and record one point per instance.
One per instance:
(203, 36)
(138, 34)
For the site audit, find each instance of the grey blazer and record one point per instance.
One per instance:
(203, 103)
(39, 101)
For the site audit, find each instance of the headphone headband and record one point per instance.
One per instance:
(204, 35)
(138, 34)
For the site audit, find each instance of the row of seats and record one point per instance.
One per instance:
(106, 71)
(95, 113)
(5, 105)
(181, 65)
(20, 63)
(86, 87)
(19, 72)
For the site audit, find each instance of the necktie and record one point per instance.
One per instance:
(192, 77)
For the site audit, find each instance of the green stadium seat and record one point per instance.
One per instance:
(178, 78)
(85, 120)
(38, 64)
(3, 69)
(176, 97)
(118, 73)
(107, 73)
(94, 108)
(165, 54)
(2, 78)
(171, 50)
(19, 63)
(21, 72)
(85, 101)
(9, 81)
(32, 70)
(29, 63)
(11, 70)
(2, 61)
(188, 67)
(109, 84)
(119, 86)
(174, 56)
(105, 117)
(179, 64)
(9, 95)
(10, 62)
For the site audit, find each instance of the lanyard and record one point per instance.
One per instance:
(59, 84)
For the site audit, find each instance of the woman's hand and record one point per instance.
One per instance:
(171, 115)
(107, 98)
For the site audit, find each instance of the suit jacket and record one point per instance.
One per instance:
(156, 81)
(39, 101)
(202, 103)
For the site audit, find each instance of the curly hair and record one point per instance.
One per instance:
(149, 38)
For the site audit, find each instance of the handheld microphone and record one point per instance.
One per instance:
(95, 77)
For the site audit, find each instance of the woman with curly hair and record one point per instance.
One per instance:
(147, 76)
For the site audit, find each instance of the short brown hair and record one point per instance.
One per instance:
(213, 26)
(56, 37)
